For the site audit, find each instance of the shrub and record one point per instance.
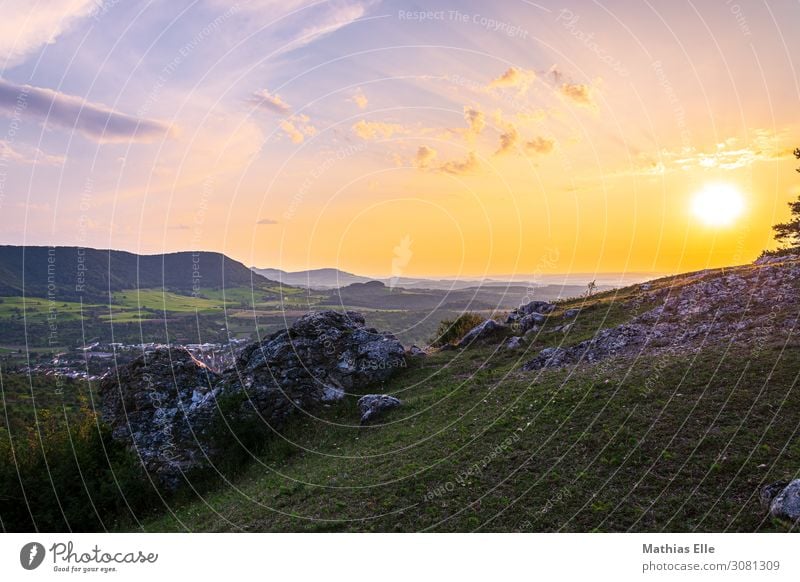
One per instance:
(66, 473)
(451, 331)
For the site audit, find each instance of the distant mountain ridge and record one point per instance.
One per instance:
(73, 273)
(332, 278)
(313, 279)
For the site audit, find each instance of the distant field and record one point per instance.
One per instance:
(16, 307)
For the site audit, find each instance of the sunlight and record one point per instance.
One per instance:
(718, 205)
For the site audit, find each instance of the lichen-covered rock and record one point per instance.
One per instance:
(484, 332)
(162, 406)
(529, 315)
(783, 500)
(513, 343)
(694, 310)
(322, 352)
(416, 352)
(570, 313)
(373, 406)
(167, 406)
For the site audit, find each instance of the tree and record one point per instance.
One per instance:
(591, 287)
(788, 233)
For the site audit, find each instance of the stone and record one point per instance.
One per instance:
(529, 315)
(483, 332)
(570, 313)
(372, 406)
(696, 310)
(166, 405)
(784, 500)
(416, 352)
(513, 343)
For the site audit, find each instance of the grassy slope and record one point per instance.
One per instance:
(676, 443)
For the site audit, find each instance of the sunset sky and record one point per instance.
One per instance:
(482, 139)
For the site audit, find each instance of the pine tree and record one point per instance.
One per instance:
(788, 233)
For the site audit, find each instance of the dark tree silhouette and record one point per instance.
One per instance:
(788, 233)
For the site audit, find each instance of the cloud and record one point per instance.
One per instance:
(578, 93)
(266, 100)
(514, 77)
(731, 154)
(298, 127)
(469, 165)
(424, 157)
(360, 99)
(27, 26)
(335, 19)
(508, 140)
(377, 129)
(28, 155)
(267, 221)
(94, 121)
(476, 121)
(540, 145)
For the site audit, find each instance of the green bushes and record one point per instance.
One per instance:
(63, 472)
(451, 331)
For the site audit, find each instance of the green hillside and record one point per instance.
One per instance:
(74, 273)
(678, 442)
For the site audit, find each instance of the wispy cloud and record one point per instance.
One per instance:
(336, 18)
(21, 154)
(540, 145)
(514, 77)
(467, 166)
(360, 99)
(377, 129)
(28, 26)
(94, 121)
(298, 127)
(731, 154)
(267, 221)
(508, 140)
(578, 93)
(269, 101)
(425, 155)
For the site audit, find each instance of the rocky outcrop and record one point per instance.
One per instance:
(702, 308)
(529, 315)
(513, 343)
(416, 352)
(783, 500)
(489, 330)
(372, 406)
(163, 406)
(168, 406)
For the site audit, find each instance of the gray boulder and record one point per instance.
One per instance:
(529, 315)
(513, 343)
(570, 313)
(162, 405)
(783, 500)
(373, 406)
(416, 352)
(170, 408)
(484, 332)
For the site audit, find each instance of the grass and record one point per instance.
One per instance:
(669, 443)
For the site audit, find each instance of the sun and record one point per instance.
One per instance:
(718, 205)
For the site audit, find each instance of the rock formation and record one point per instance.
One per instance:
(172, 410)
(693, 310)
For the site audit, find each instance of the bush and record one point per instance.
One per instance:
(451, 331)
(67, 474)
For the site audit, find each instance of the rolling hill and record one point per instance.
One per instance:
(74, 273)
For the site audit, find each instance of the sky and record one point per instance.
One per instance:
(392, 138)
